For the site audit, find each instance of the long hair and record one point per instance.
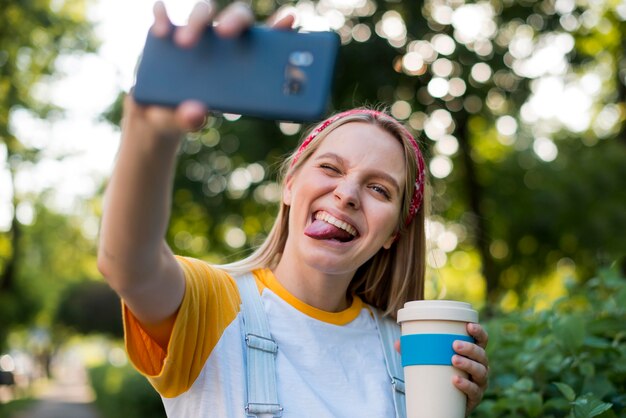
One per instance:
(391, 277)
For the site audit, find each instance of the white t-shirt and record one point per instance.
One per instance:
(328, 364)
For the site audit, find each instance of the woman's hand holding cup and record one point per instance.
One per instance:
(472, 359)
(444, 359)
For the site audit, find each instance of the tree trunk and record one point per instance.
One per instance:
(7, 280)
(475, 195)
(621, 88)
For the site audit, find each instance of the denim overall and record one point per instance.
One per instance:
(260, 355)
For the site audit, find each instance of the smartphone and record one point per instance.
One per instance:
(266, 73)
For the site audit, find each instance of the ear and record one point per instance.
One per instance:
(387, 245)
(287, 191)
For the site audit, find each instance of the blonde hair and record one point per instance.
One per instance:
(391, 277)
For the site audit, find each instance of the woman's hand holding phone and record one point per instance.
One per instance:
(167, 122)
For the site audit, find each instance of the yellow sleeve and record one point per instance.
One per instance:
(210, 303)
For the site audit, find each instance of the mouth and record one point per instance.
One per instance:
(327, 227)
(330, 219)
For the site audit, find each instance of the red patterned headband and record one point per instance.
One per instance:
(418, 194)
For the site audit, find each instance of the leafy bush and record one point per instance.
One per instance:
(121, 392)
(569, 361)
(15, 408)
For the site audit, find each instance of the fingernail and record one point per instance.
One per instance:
(459, 345)
(183, 36)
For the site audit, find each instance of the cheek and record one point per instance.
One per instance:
(386, 217)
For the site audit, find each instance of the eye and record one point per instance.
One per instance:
(329, 168)
(381, 190)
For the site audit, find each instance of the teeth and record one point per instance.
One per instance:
(323, 216)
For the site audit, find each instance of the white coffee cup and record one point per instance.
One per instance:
(429, 327)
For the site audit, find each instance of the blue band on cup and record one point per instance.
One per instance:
(429, 349)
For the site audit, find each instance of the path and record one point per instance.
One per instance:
(67, 396)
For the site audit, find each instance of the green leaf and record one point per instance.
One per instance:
(570, 331)
(600, 408)
(587, 369)
(566, 390)
(525, 384)
(533, 404)
(589, 406)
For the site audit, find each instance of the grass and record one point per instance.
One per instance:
(9, 409)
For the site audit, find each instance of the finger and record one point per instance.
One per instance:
(471, 351)
(162, 23)
(201, 16)
(472, 391)
(396, 345)
(284, 18)
(190, 115)
(130, 108)
(478, 372)
(236, 18)
(479, 334)
(157, 121)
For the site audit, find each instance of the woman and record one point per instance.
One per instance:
(347, 244)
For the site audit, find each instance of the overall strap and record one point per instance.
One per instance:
(389, 333)
(260, 353)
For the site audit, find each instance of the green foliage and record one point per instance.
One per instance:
(90, 307)
(569, 361)
(578, 225)
(14, 408)
(121, 392)
(208, 204)
(32, 36)
(53, 253)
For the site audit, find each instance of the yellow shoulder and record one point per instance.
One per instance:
(210, 304)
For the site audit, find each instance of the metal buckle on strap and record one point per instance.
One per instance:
(261, 343)
(398, 384)
(256, 409)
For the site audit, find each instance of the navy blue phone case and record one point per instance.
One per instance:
(266, 73)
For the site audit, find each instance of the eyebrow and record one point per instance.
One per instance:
(376, 173)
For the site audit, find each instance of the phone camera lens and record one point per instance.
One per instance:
(293, 87)
(295, 80)
(301, 58)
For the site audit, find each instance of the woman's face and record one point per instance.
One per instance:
(345, 200)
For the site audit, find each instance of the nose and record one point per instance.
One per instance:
(347, 194)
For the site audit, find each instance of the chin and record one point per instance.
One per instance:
(331, 265)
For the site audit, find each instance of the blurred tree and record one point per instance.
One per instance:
(90, 307)
(32, 36)
(54, 252)
(519, 106)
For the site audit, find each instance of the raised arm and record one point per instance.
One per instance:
(133, 255)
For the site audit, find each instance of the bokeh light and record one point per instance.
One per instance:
(440, 166)
(235, 237)
(473, 22)
(545, 149)
(481, 72)
(438, 87)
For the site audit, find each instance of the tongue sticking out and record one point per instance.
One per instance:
(323, 230)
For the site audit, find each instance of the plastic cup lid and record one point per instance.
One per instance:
(442, 310)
